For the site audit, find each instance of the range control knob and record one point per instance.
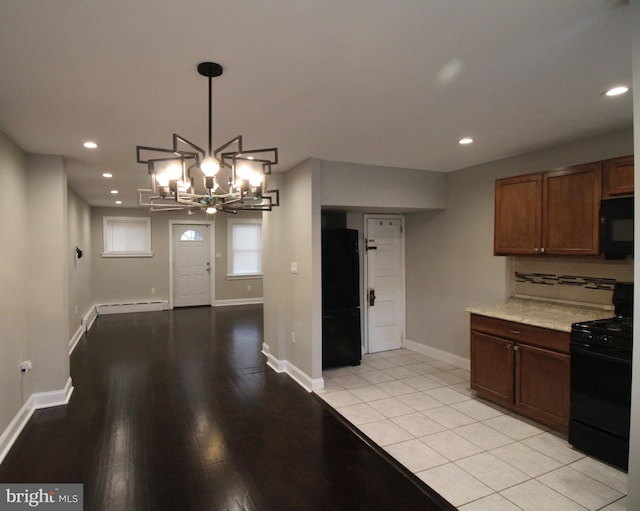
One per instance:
(604, 339)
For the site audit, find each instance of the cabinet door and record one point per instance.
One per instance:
(618, 177)
(571, 207)
(542, 385)
(518, 215)
(492, 368)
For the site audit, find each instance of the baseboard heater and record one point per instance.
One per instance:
(120, 308)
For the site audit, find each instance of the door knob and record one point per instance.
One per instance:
(372, 297)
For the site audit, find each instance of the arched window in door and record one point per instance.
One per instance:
(191, 235)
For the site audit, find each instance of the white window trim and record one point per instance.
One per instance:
(240, 276)
(107, 221)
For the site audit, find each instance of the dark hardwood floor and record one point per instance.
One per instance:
(177, 410)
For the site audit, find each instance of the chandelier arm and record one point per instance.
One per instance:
(186, 155)
(141, 148)
(277, 194)
(274, 150)
(245, 156)
(236, 140)
(199, 155)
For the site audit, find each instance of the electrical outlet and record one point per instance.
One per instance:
(293, 337)
(249, 288)
(153, 290)
(75, 310)
(25, 366)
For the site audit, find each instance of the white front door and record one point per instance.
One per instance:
(384, 294)
(191, 265)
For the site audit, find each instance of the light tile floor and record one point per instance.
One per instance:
(479, 456)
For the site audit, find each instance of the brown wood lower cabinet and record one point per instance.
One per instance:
(542, 385)
(523, 368)
(492, 368)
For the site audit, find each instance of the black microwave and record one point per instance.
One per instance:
(616, 227)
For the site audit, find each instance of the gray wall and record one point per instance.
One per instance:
(374, 188)
(33, 266)
(79, 270)
(119, 279)
(292, 300)
(13, 268)
(47, 274)
(449, 254)
(634, 454)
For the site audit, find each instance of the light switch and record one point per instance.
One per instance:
(294, 268)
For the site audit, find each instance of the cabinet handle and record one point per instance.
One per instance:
(514, 331)
(515, 348)
(542, 250)
(536, 249)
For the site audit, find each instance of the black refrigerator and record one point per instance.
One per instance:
(340, 298)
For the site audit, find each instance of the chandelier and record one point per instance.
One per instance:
(186, 177)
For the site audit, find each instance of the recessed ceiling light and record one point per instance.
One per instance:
(118, 202)
(114, 192)
(107, 175)
(465, 141)
(90, 145)
(616, 91)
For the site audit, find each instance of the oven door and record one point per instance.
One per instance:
(601, 388)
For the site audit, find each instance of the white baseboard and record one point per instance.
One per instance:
(76, 337)
(444, 356)
(36, 401)
(300, 377)
(162, 305)
(53, 397)
(90, 318)
(239, 301)
(121, 308)
(86, 323)
(277, 365)
(15, 427)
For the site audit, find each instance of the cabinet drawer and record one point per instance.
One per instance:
(522, 333)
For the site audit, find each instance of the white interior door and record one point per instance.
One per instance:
(191, 265)
(384, 295)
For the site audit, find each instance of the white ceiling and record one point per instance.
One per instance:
(383, 82)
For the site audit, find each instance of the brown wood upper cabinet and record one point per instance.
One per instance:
(617, 180)
(553, 213)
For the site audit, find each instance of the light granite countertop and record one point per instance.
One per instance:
(544, 313)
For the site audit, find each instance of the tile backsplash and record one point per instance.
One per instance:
(569, 279)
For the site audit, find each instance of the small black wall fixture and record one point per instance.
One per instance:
(78, 252)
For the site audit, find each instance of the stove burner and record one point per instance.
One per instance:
(615, 332)
(615, 323)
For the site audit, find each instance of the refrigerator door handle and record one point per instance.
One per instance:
(372, 297)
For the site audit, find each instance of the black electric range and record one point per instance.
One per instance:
(600, 390)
